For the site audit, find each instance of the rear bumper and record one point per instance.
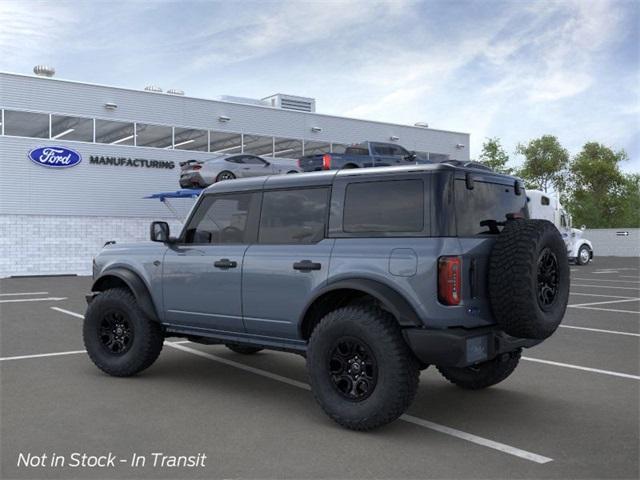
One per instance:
(190, 180)
(458, 347)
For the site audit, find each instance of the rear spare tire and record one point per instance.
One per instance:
(529, 279)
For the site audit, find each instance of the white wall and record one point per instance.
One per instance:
(606, 242)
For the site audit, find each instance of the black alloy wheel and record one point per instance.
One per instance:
(225, 176)
(116, 332)
(547, 278)
(353, 369)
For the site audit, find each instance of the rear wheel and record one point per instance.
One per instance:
(584, 255)
(484, 374)
(119, 338)
(362, 373)
(243, 349)
(225, 175)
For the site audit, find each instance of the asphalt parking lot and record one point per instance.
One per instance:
(571, 410)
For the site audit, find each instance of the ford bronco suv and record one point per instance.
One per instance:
(371, 274)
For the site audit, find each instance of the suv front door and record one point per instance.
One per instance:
(290, 260)
(202, 272)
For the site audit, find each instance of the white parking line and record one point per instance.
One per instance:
(600, 330)
(628, 276)
(578, 367)
(23, 293)
(604, 302)
(485, 442)
(41, 355)
(613, 310)
(606, 280)
(597, 295)
(62, 310)
(606, 286)
(48, 299)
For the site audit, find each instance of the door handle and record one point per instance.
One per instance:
(306, 265)
(225, 263)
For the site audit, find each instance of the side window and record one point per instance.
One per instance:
(544, 200)
(385, 206)
(400, 152)
(235, 159)
(221, 219)
(293, 216)
(251, 160)
(563, 220)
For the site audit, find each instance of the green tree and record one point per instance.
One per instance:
(600, 195)
(545, 163)
(494, 156)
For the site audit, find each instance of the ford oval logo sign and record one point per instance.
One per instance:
(55, 157)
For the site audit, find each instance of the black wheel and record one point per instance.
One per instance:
(118, 337)
(484, 374)
(291, 172)
(244, 349)
(584, 255)
(225, 175)
(529, 279)
(349, 166)
(362, 373)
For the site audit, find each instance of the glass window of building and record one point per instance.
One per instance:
(114, 133)
(258, 145)
(225, 142)
(338, 147)
(190, 139)
(157, 136)
(315, 148)
(287, 148)
(26, 124)
(71, 128)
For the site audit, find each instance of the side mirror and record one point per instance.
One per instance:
(159, 232)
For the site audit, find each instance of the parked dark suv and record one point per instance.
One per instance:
(372, 274)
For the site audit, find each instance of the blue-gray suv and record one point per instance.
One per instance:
(372, 274)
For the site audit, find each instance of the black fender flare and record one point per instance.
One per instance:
(135, 284)
(392, 301)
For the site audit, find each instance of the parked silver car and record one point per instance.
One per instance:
(202, 173)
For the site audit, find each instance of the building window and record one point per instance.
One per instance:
(402, 208)
(26, 124)
(225, 142)
(287, 148)
(315, 148)
(71, 128)
(190, 139)
(258, 145)
(114, 133)
(157, 136)
(293, 216)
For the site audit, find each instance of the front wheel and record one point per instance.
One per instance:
(361, 371)
(484, 374)
(119, 338)
(584, 255)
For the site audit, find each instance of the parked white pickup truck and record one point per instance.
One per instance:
(544, 206)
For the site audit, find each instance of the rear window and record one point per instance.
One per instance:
(486, 202)
(293, 216)
(395, 206)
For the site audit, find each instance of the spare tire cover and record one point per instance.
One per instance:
(529, 278)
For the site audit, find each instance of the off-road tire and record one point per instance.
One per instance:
(515, 278)
(243, 349)
(397, 368)
(579, 260)
(146, 342)
(484, 374)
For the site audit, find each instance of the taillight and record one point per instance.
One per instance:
(326, 162)
(449, 280)
(299, 163)
(196, 167)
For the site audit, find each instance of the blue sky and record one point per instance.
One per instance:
(515, 70)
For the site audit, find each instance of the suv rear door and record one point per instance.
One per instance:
(202, 272)
(290, 259)
(388, 154)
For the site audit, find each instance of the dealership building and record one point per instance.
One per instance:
(127, 144)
